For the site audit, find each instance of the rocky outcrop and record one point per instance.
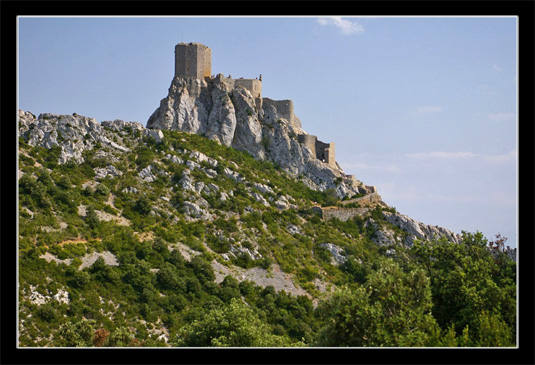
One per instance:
(73, 134)
(185, 109)
(232, 117)
(337, 253)
(385, 234)
(419, 230)
(248, 133)
(108, 171)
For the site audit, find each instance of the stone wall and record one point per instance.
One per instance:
(366, 203)
(344, 214)
(369, 199)
(309, 141)
(321, 150)
(284, 107)
(325, 152)
(193, 59)
(253, 85)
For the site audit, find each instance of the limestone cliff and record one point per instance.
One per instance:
(234, 118)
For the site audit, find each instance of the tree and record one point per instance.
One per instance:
(202, 269)
(101, 336)
(168, 278)
(234, 325)
(80, 279)
(330, 197)
(392, 308)
(121, 337)
(229, 289)
(143, 205)
(465, 282)
(492, 331)
(75, 334)
(91, 218)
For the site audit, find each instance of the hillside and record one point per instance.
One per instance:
(132, 236)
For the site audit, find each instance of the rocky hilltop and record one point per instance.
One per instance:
(233, 113)
(231, 117)
(74, 136)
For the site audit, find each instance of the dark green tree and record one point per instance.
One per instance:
(143, 205)
(392, 308)
(466, 281)
(234, 325)
(77, 333)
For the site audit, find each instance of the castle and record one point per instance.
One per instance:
(195, 60)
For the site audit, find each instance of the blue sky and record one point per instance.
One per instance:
(424, 108)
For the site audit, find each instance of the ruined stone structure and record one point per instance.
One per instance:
(285, 108)
(193, 59)
(325, 152)
(322, 151)
(254, 86)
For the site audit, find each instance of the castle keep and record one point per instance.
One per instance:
(195, 60)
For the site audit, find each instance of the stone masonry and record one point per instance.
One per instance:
(193, 59)
(321, 150)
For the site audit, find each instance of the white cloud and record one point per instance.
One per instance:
(496, 117)
(487, 90)
(428, 109)
(359, 166)
(370, 162)
(496, 67)
(442, 155)
(345, 26)
(501, 117)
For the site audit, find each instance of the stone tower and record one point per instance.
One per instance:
(193, 60)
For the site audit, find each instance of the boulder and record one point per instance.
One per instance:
(148, 174)
(154, 133)
(337, 253)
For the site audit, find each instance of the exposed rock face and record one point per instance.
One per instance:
(221, 123)
(337, 253)
(418, 230)
(231, 117)
(185, 109)
(248, 134)
(384, 234)
(103, 172)
(72, 133)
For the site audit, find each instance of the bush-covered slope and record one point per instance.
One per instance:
(136, 237)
